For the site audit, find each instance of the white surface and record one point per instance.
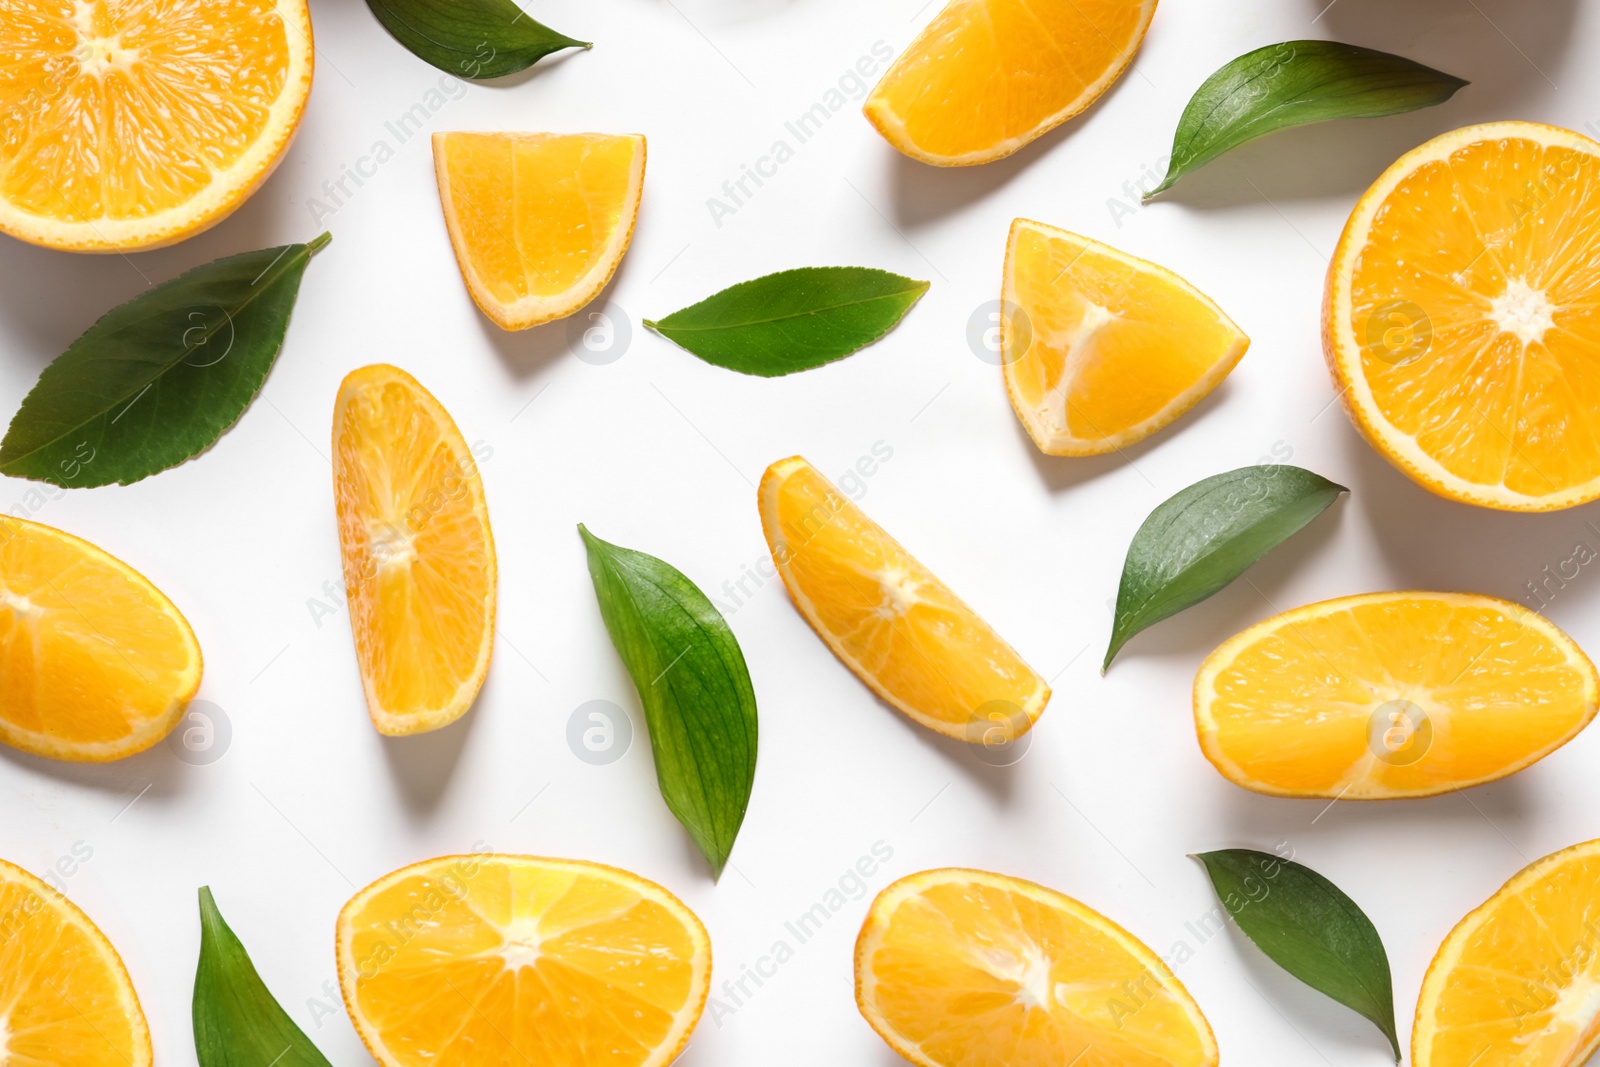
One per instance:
(660, 452)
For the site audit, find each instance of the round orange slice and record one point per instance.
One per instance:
(960, 968)
(1462, 317)
(1099, 349)
(128, 125)
(1517, 982)
(986, 77)
(899, 628)
(1391, 695)
(539, 221)
(65, 997)
(419, 562)
(95, 662)
(465, 961)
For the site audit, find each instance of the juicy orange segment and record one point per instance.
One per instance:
(1100, 349)
(959, 968)
(65, 997)
(488, 959)
(95, 662)
(126, 124)
(1517, 982)
(1391, 695)
(419, 562)
(985, 77)
(899, 628)
(1462, 322)
(539, 221)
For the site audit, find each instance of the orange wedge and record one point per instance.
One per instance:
(488, 959)
(1100, 349)
(899, 628)
(1391, 695)
(65, 997)
(419, 563)
(1462, 319)
(958, 968)
(985, 77)
(1517, 982)
(129, 125)
(539, 221)
(95, 662)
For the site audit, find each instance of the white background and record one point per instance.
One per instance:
(660, 452)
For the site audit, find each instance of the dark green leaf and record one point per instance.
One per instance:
(1294, 84)
(157, 380)
(470, 38)
(1307, 926)
(693, 683)
(1206, 536)
(236, 1021)
(793, 320)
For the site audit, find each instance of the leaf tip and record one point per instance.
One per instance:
(1166, 183)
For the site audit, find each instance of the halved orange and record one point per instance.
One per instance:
(961, 968)
(1517, 982)
(468, 961)
(65, 996)
(419, 562)
(539, 221)
(129, 125)
(1462, 316)
(899, 628)
(1099, 349)
(1391, 695)
(95, 662)
(985, 77)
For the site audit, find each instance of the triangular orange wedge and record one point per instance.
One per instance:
(1099, 349)
(95, 662)
(899, 628)
(985, 77)
(419, 562)
(539, 221)
(489, 960)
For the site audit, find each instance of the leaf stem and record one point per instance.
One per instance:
(317, 243)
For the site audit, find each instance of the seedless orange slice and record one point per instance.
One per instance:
(985, 77)
(1462, 320)
(419, 562)
(1099, 349)
(95, 662)
(539, 221)
(1517, 982)
(899, 628)
(959, 968)
(466, 961)
(1391, 695)
(126, 124)
(65, 997)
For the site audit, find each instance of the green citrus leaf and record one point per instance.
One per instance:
(1297, 83)
(1206, 536)
(793, 320)
(157, 380)
(693, 683)
(470, 38)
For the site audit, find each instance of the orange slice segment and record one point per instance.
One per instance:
(95, 662)
(985, 77)
(1462, 320)
(129, 125)
(467, 961)
(1517, 982)
(959, 968)
(539, 221)
(65, 997)
(1100, 349)
(899, 628)
(419, 562)
(1391, 695)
